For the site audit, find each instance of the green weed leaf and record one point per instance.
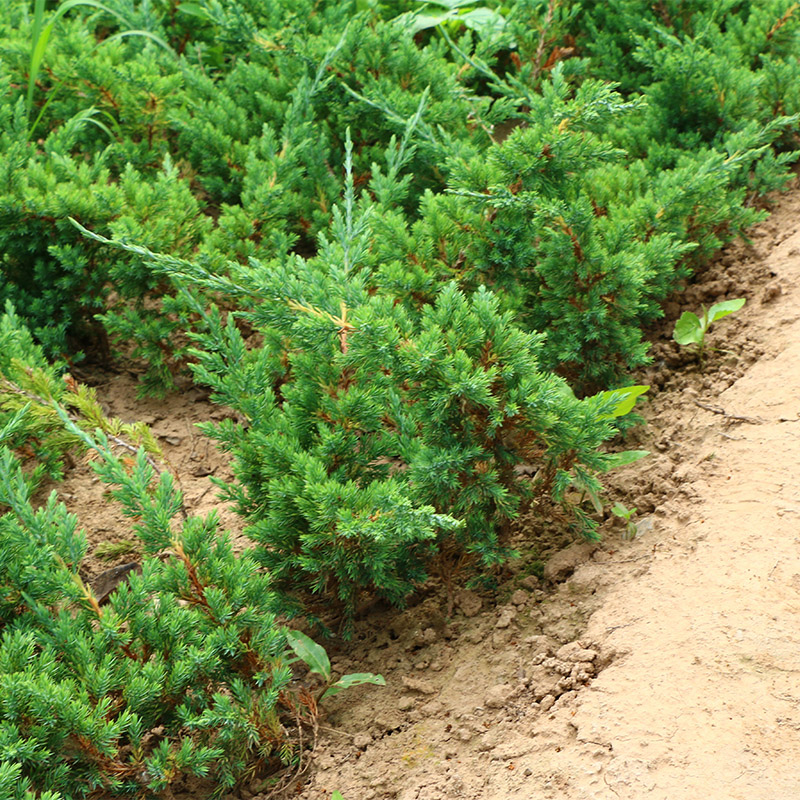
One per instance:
(194, 10)
(421, 22)
(688, 329)
(485, 21)
(622, 511)
(625, 399)
(308, 651)
(354, 679)
(720, 310)
(616, 460)
(597, 501)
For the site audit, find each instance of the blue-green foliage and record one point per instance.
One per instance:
(180, 673)
(395, 252)
(242, 122)
(377, 433)
(374, 439)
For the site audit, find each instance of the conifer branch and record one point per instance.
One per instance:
(41, 402)
(539, 54)
(199, 595)
(783, 20)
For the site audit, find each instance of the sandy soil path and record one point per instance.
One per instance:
(705, 701)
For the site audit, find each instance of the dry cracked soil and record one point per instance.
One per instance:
(661, 666)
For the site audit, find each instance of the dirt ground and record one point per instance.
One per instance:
(662, 666)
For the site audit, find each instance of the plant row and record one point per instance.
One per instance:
(410, 251)
(219, 130)
(185, 668)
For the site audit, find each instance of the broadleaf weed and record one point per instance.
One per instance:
(691, 329)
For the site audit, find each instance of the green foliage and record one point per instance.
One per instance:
(691, 329)
(624, 398)
(410, 245)
(60, 278)
(40, 36)
(258, 139)
(485, 21)
(29, 387)
(180, 673)
(524, 220)
(621, 511)
(317, 661)
(190, 646)
(624, 458)
(586, 217)
(376, 435)
(185, 670)
(414, 290)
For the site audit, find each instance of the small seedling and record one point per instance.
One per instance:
(691, 329)
(623, 512)
(623, 400)
(316, 659)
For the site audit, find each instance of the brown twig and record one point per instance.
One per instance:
(728, 417)
(537, 59)
(782, 21)
(198, 586)
(296, 772)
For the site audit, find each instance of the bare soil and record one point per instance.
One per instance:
(664, 666)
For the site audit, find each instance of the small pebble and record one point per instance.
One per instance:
(507, 616)
(362, 741)
(429, 635)
(546, 703)
(499, 696)
(530, 582)
(519, 598)
(469, 602)
(418, 685)
(406, 703)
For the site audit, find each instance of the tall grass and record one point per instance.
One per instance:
(41, 32)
